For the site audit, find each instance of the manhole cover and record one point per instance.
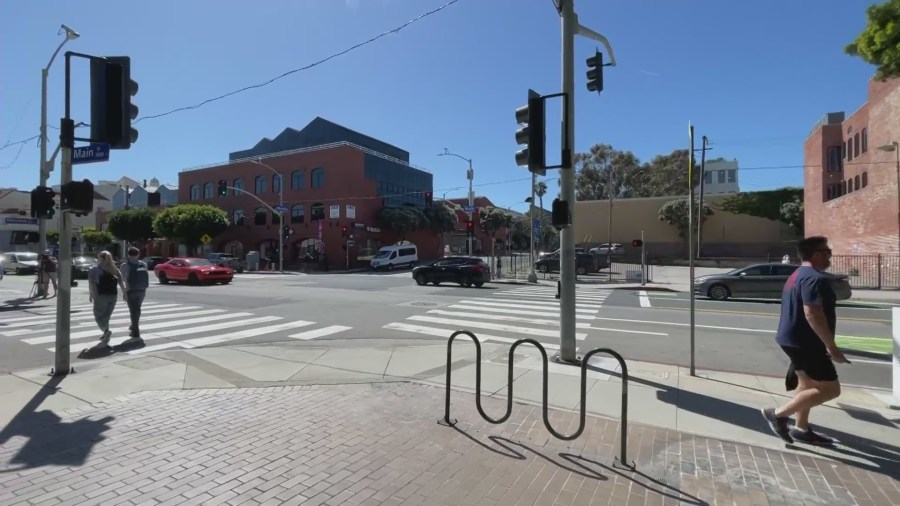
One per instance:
(419, 304)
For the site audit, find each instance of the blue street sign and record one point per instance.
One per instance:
(90, 154)
(536, 227)
(469, 209)
(281, 209)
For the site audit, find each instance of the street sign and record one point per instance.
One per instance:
(281, 209)
(90, 154)
(536, 227)
(469, 209)
(205, 239)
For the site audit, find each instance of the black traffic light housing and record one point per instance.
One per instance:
(223, 187)
(470, 227)
(285, 232)
(532, 134)
(637, 243)
(560, 214)
(111, 107)
(344, 231)
(595, 72)
(77, 197)
(429, 200)
(42, 203)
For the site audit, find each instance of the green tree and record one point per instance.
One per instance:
(604, 170)
(53, 237)
(520, 234)
(879, 42)
(402, 220)
(675, 212)
(493, 220)
(132, 225)
(440, 219)
(187, 223)
(96, 239)
(792, 214)
(665, 175)
(763, 204)
(540, 189)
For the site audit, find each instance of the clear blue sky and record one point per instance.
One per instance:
(753, 76)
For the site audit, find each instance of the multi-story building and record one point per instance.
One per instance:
(331, 177)
(137, 195)
(852, 179)
(720, 178)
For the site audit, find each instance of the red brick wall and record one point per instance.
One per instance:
(864, 221)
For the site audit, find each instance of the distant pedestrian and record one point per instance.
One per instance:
(806, 334)
(47, 272)
(499, 268)
(137, 279)
(102, 281)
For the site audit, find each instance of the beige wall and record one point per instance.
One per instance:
(724, 234)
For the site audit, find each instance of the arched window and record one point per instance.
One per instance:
(865, 140)
(311, 246)
(238, 184)
(195, 192)
(865, 179)
(298, 179)
(276, 183)
(297, 213)
(856, 182)
(259, 216)
(238, 217)
(208, 191)
(260, 184)
(317, 211)
(276, 219)
(318, 177)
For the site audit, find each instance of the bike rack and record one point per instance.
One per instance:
(623, 424)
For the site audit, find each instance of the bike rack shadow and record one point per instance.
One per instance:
(620, 461)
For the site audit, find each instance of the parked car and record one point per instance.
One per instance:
(465, 271)
(585, 263)
(759, 281)
(605, 249)
(395, 255)
(81, 265)
(226, 259)
(152, 262)
(194, 271)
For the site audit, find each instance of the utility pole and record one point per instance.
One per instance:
(532, 276)
(569, 27)
(701, 214)
(691, 243)
(609, 185)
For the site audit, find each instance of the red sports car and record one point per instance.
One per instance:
(194, 271)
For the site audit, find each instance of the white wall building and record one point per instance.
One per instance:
(721, 178)
(137, 194)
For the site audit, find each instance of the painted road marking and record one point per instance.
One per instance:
(317, 333)
(492, 326)
(770, 315)
(645, 301)
(445, 334)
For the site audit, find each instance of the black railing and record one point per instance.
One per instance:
(623, 424)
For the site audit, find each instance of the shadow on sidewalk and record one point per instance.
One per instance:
(851, 449)
(50, 440)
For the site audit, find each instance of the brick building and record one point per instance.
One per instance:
(334, 177)
(851, 190)
(481, 244)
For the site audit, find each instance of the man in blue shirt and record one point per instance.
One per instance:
(806, 334)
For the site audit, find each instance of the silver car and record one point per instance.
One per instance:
(759, 281)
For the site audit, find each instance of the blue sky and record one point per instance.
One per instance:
(752, 76)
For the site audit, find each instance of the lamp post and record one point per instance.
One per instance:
(470, 175)
(280, 213)
(894, 147)
(46, 166)
(532, 276)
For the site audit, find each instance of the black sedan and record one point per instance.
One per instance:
(465, 271)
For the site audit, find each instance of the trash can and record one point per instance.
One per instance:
(253, 261)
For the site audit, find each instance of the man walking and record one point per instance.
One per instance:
(137, 279)
(806, 334)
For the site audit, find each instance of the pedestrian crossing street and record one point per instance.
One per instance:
(509, 315)
(160, 322)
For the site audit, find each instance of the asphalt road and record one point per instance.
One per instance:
(653, 326)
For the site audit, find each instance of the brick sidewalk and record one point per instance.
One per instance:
(380, 444)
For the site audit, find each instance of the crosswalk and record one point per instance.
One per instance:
(510, 315)
(163, 326)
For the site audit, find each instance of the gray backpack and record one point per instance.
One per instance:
(138, 276)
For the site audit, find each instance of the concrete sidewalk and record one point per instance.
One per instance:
(179, 409)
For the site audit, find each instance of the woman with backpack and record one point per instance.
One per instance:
(103, 280)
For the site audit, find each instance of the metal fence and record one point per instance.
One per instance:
(877, 271)
(519, 265)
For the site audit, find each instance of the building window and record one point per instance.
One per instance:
(317, 211)
(276, 183)
(195, 192)
(298, 179)
(844, 150)
(856, 182)
(856, 145)
(259, 216)
(865, 179)
(720, 176)
(828, 193)
(297, 213)
(865, 140)
(260, 184)
(834, 159)
(308, 247)
(238, 217)
(276, 218)
(849, 149)
(237, 184)
(732, 176)
(207, 191)
(318, 177)
(707, 178)
(843, 187)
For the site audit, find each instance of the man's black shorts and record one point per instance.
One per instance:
(814, 362)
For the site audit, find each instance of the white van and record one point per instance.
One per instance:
(395, 255)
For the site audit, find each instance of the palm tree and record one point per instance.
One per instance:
(540, 189)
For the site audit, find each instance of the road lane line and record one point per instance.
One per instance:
(492, 326)
(317, 333)
(432, 331)
(770, 315)
(645, 301)
(500, 310)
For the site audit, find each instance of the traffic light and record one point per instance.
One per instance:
(637, 243)
(560, 214)
(111, 107)
(470, 227)
(428, 199)
(344, 231)
(77, 197)
(42, 204)
(595, 72)
(532, 118)
(286, 232)
(223, 188)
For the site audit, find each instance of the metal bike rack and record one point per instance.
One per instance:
(623, 424)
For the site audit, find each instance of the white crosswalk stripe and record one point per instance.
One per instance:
(185, 326)
(508, 315)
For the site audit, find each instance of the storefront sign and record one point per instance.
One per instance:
(351, 212)
(334, 212)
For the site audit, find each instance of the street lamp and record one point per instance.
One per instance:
(532, 276)
(44, 166)
(470, 175)
(895, 148)
(280, 213)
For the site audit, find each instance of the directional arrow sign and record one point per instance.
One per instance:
(281, 209)
(90, 154)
